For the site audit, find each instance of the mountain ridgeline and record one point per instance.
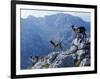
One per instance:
(36, 33)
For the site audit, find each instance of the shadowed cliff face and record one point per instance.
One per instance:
(37, 32)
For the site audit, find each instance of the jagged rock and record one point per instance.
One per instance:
(77, 55)
(63, 60)
(40, 64)
(52, 56)
(85, 62)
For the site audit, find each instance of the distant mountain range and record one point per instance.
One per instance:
(37, 32)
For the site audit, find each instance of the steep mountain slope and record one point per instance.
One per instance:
(37, 32)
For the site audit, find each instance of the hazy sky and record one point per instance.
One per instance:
(37, 13)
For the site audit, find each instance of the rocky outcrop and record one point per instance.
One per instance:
(78, 55)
